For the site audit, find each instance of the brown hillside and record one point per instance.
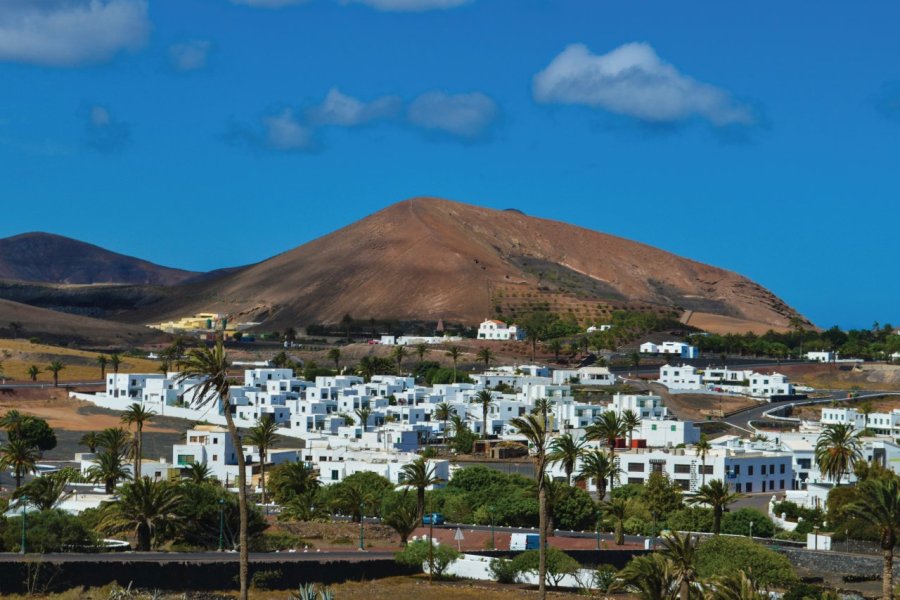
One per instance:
(428, 259)
(48, 258)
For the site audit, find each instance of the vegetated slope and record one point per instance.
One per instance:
(57, 327)
(49, 258)
(435, 259)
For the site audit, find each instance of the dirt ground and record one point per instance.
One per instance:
(865, 376)
(80, 365)
(696, 407)
(883, 404)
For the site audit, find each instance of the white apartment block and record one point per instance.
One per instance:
(766, 386)
(684, 377)
(584, 376)
(493, 329)
(726, 375)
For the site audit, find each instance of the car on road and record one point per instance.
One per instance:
(433, 519)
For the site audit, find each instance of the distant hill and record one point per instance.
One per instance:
(429, 259)
(49, 258)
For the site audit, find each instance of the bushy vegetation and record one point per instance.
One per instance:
(416, 554)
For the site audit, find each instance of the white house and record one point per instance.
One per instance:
(584, 376)
(766, 386)
(822, 357)
(492, 329)
(684, 377)
(679, 349)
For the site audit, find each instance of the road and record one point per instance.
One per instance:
(45, 384)
(743, 420)
(200, 557)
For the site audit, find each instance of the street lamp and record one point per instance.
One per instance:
(491, 512)
(24, 519)
(221, 524)
(598, 533)
(751, 529)
(816, 537)
(362, 545)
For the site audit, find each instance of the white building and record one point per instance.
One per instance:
(684, 377)
(492, 329)
(766, 386)
(726, 375)
(822, 357)
(679, 349)
(584, 376)
(596, 328)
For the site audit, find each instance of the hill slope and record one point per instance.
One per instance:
(48, 258)
(429, 259)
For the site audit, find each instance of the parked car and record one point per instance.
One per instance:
(433, 519)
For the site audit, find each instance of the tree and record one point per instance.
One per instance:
(597, 466)
(556, 349)
(398, 354)
(211, 366)
(143, 506)
(608, 427)
(360, 492)
(198, 473)
(725, 555)
(49, 531)
(20, 457)
(631, 421)
(55, 367)
(421, 351)
(565, 450)
(536, 324)
(681, 551)
(115, 361)
(485, 355)
(291, 479)
(616, 510)
(403, 517)
(108, 469)
(534, 430)
(650, 577)
(702, 448)
(45, 492)
(33, 431)
(363, 413)
(137, 415)
(635, 359)
(442, 413)
(417, 553)
(305, 507)
(334, 354)
(878, 504)
(454, 352)
(102, 361)
(262, 435)
(418, 474)
(559, 564)
(837, 450)
(90, 440)
(738, 586)
(486, 400)
(33, 372)
(115, 440)
(717, 496)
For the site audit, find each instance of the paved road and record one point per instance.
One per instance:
(200, 557)
(743, 419)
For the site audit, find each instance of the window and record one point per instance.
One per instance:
(771, 484)
(653, 427)
(750, 470)
(706, 469)
(636, 480)
(215, 457)
(682, 468)
(673, 428)
(334, 475)
(781, 484)
(749, 487)
(185, 459)
(781, 470)
(635, 467)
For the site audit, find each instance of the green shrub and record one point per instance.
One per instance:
(416, 555)
(720, 556)
(559, 564)
(265, 580)
(503, 570)
(605, 577)
(738, 523)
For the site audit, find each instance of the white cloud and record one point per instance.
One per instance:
(189, 56)
(284, 132)
(269, 3)
(347, 111)
(632, 80)
(67, 33)
(462, 115)
(409, 5)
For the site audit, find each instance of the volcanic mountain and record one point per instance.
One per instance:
(429, 259)
(48, 258)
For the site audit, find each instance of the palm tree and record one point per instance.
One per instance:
(198, 473)
(651, 577)
(115, 360)
(565, 450)
(90, 439)
(19, 456)
(597, 465)
(543, 406)
(738, 586)
(420, 475)
(13, 421)
(681, 550)
(115, 439)
(335, 355)
(363, 413)
(717, 496)
(45, 492)
(398, 354)
(291, 479)
(534, 430)
(262, 435)
(102, 362)
(878, 504)
(403, 518)
(33, 372)
(304, 507)
(556, 348)
(837, 450)
(703, 447)
(211, 366)
(631, 421)
(635, 360)
(137, 415)
(55, 367)
(143, 506)
(421, 351)
(367, 367)
(442, 413)
(109, 469)
(454, 352)
(485, 355)
(486, 400)
(616, 510)
(608, 427)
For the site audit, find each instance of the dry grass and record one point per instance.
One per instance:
(846, 377)
(17, 356)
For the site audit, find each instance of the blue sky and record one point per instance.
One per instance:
(762, 138)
